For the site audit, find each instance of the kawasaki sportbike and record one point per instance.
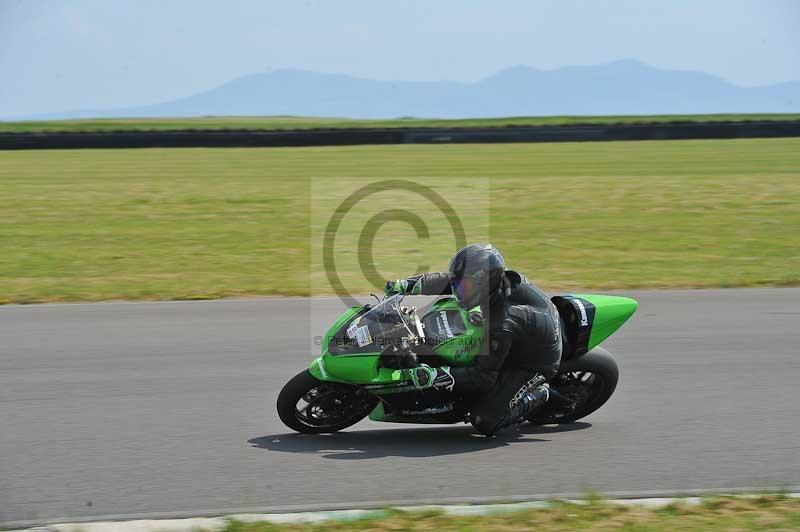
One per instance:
(369, 350)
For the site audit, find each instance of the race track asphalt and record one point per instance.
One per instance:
(169, 409)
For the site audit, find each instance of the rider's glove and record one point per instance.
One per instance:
(425, 377)
(398, 286)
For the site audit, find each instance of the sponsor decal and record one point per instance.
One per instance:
(444, 324)
(397, 386)
(362, 336)
(582, 310)
(322, 371)
(429, 411)
(586, 312)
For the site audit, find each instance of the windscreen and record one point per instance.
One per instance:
(382, 325)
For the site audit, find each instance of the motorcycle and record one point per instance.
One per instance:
(367, 355)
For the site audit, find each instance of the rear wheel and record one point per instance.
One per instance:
(311, 406)
(587, 381)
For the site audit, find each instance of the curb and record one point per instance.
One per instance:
(214, 524)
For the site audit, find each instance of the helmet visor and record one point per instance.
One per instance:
(468, 289)
(463, 288)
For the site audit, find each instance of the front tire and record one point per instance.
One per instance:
(311, 406)
(589, 381)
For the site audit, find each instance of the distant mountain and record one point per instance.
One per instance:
(626, 87)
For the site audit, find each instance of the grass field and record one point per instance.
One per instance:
(712, 514)
(293, 122)
(203, 223)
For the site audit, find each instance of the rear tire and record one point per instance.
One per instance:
(328, 406)
(591, 378)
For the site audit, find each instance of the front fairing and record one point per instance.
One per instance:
(343, 360)
(449, 330)
(370, 329)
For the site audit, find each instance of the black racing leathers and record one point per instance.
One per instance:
(523, 332)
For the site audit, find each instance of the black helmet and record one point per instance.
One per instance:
(477, 272)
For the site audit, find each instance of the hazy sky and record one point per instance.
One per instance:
(58, 55)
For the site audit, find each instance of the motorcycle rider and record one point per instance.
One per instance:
(523, 345)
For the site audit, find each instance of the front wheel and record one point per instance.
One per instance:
(312, 406)
(588, 381)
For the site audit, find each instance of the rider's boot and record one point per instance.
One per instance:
(559, 402)
(528, 403)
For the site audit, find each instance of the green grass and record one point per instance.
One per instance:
(296, 122)
(714, 514)
(206, 223)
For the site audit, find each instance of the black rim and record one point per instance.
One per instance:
(582, 388)
(329, 405)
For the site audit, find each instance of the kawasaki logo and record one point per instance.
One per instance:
(432, 410)
(445, 324)
(584, 318)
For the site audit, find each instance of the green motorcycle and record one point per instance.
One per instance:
(369, 351)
